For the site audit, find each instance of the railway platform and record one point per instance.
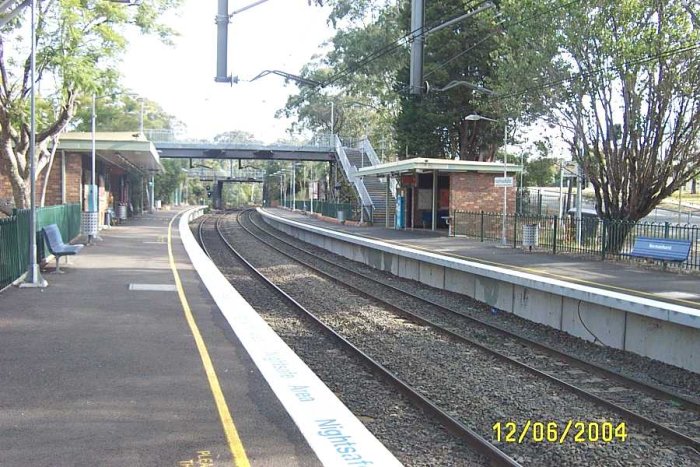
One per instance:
(127, 359)
(664, 286)
(650, 312)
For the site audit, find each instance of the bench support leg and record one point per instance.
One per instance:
(58, 266)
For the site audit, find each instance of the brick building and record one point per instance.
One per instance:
(430, 189)
(124, 162)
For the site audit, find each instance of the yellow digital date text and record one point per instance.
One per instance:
(559, 432)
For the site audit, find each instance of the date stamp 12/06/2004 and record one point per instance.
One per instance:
(559, 432)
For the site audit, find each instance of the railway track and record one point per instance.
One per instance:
(472, 439)
(450, 326)
(667, 412)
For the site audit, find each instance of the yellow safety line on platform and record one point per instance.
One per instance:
(234, 442)
(537, 271)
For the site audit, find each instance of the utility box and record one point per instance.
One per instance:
(531, 235)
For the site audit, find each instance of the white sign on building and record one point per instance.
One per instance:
(503, 181)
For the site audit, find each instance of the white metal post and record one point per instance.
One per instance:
(579, 200)
(294, 187)
(505, 189)
(561, 188)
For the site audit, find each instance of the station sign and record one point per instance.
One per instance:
(503, 181)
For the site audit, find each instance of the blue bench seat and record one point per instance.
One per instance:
(663, 249)
(56, 246)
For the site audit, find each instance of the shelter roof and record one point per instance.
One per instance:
(126, 149)
(420, 164)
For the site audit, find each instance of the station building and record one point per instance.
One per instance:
(429, 190)
(124, 164)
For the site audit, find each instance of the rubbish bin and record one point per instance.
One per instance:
(121, 212)
(340, 216)
(531, 235)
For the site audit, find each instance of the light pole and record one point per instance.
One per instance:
(91, 220)
(476, 117)
(33, 277)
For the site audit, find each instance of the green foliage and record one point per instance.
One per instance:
(540, 172)
(236, 136)
(173, 177)
(369, 64)
(121, 111)
(78, 46)
(620, 79)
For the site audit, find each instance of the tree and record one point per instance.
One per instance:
(356, 91)
(369, 62)
(236, 136)
(435, 125)
(621, 80)
(540, 172)
(121, 111)
(168, 181)
(78, 43)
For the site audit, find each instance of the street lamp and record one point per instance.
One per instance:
(476, 117)
(33, 277)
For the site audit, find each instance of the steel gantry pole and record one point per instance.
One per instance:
(418, 40)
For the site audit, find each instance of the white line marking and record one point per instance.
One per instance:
(153, 287)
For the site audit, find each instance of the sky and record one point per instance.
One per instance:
(276, 35)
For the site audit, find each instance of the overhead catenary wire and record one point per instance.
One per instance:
(538, 14)
(637, 61)
(389, 48)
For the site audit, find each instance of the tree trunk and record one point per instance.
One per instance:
(615, 234)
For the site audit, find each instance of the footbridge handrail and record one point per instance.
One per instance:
(366, 146)
(351, 173)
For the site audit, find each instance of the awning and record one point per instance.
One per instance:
(422, 164)
(129, 150)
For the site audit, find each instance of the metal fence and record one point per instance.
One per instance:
(14, 237)
(325, 208)
(598, 237)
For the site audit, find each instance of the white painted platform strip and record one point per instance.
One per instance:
(334, 433)
(154, 287)
(680, 295)
(683, 315)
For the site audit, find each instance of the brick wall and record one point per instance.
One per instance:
(7, 200)
(473, 191)
(74, 167)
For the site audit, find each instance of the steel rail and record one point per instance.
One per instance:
(669, 432)
(473, 439)
(680, 399)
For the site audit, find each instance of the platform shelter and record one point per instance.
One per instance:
(429, 190)
(125, 163)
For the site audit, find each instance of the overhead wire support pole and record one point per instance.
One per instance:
(223, 18)
(248, 7)
(416, 68)
(418, 39)
(485, 7)
(222, 21)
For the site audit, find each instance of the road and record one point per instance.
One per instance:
(689, 215)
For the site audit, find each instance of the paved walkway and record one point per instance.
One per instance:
(672, 287)
(94, 373)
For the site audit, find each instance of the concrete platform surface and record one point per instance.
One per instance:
(629, 278)
(94, 373)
